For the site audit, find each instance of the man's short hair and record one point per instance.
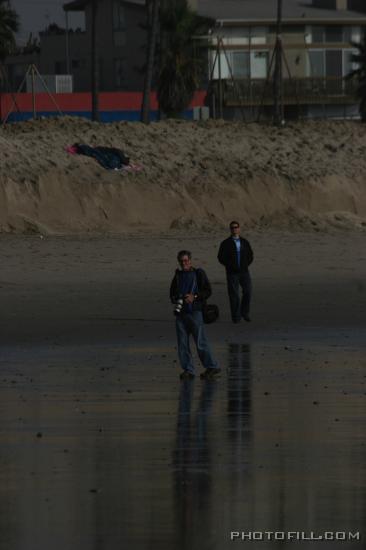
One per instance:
(182, 253)
(234, 223)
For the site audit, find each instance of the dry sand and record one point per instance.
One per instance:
(195, 176)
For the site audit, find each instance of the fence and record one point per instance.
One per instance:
(309, 91)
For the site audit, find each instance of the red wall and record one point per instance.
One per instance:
(108, 101)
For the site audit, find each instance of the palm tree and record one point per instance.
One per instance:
(360, 74)
(180, 69)
(9, 24)
(153, 33)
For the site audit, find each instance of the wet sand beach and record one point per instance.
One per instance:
(102, 446)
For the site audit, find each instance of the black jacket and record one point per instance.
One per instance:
(203, 284)
(227, 255)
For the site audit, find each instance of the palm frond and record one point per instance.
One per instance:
(9, 24)
(179, 75)
(359, 73)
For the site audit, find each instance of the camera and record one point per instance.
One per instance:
(178, 306)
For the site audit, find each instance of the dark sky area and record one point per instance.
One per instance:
(35, 15)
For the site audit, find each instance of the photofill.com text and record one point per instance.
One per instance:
(293, 535)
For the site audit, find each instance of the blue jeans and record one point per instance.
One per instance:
(187, 324)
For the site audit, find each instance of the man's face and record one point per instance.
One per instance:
(235, 229)
(185, 263)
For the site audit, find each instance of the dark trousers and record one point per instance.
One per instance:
(239, 307)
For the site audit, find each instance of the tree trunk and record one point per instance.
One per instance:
(153, 31)
(94, 63)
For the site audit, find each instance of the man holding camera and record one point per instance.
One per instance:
(189, 289)
(236, 255)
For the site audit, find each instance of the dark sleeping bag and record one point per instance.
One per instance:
(108, 157)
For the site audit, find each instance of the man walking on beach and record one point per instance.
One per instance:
(236, 255)
(189, 289)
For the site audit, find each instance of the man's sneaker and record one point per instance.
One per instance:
(247, 318)
(186, 375)
(210, 374)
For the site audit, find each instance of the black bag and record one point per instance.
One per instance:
(210, 313)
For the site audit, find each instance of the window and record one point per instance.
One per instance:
(352, 34)
(119, 23)
(317, 63)
(240, 64)
(243, 64)
(60, 67)
(329, 63)
(333, 63)
(119, 38)
(331, 34)
(348, 34)
(258, 64)
(348, 64)
(119, 73)
(317, 35)
(258, 35)
(334, 34)
(119, 19)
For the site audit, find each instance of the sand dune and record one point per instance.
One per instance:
(195, 176)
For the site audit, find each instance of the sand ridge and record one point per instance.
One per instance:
(306, 175)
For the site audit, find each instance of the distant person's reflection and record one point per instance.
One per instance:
(239, 388)
(192, 461)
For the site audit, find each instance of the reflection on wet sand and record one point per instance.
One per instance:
(100, 450)
(192, 463)
(211, 441)
(239, 386)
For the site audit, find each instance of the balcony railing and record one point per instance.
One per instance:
(300, 91)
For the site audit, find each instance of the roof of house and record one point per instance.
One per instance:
(79, 5)
(76, 5)
(265, 11)
(257, 11)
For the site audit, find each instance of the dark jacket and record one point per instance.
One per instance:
(227, 255)
(203, 284)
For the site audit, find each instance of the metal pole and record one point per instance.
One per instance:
(152, 40)
(235, 87)
(266, 86)
(47, 89)
(67, 43)
(33, 92)
(14, 96)
(210, 83)
(220, 80)
(94, 63)
(250, 75)
(277, 77)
